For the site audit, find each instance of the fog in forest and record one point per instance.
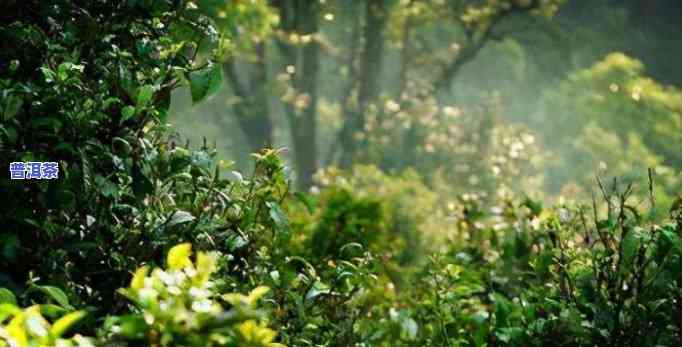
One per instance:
(542, 97)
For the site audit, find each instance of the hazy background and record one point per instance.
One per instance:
(489, 96)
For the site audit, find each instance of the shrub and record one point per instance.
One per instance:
(88, 86)
(178, 306)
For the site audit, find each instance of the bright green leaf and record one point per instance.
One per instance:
(127, 112)
(144, 95)
(318, 288)
(6, 296)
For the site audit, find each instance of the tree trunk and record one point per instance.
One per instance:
(301, 17)
(370, 71)
(304, 130)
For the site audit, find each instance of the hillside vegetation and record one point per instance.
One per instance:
(436, 220)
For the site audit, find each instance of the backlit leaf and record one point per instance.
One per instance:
(178, 256)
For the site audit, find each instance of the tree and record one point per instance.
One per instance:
(613, 113)
(303, 46)
(473, 26)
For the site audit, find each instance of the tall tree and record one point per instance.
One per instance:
(299, 45)
(300, 50)
(368, 82)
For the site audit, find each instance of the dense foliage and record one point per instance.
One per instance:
(146, 240)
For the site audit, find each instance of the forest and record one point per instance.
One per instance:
(340, 173)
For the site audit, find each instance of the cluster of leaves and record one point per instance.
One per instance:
(88, 85)
(517, 274)
(30, 326)
(554, 278)
(370, 207)
(178, 306)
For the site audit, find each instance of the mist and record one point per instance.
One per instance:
(419, 67)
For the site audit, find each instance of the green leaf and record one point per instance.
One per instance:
(274, 275)
(57, 295)
(277, 215)
(535, 207)
(630, 245)
(307, 200)
(12, 106)
(509, 334)
(144, 95)
(179, 160)
(14, 65)
(65, 323)
(180, 217)
(10, 132)
(127, 112)
(7, 297)
(502, 309)
(133, 326)
(318, 288)
(106, 187)
(675, 240)
(51, 310)
(48, 74)
(142, 186)
(66, 68)
(410, 327)
(110, 101)
(10, 246)
(205, 82)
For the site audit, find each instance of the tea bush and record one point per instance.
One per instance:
(552, 276)
(178, 306)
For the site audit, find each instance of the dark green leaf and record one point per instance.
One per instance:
(10, 246)
(47, 123)
(57, 295)
(142, 186)
(205, 82)
(11, 107)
